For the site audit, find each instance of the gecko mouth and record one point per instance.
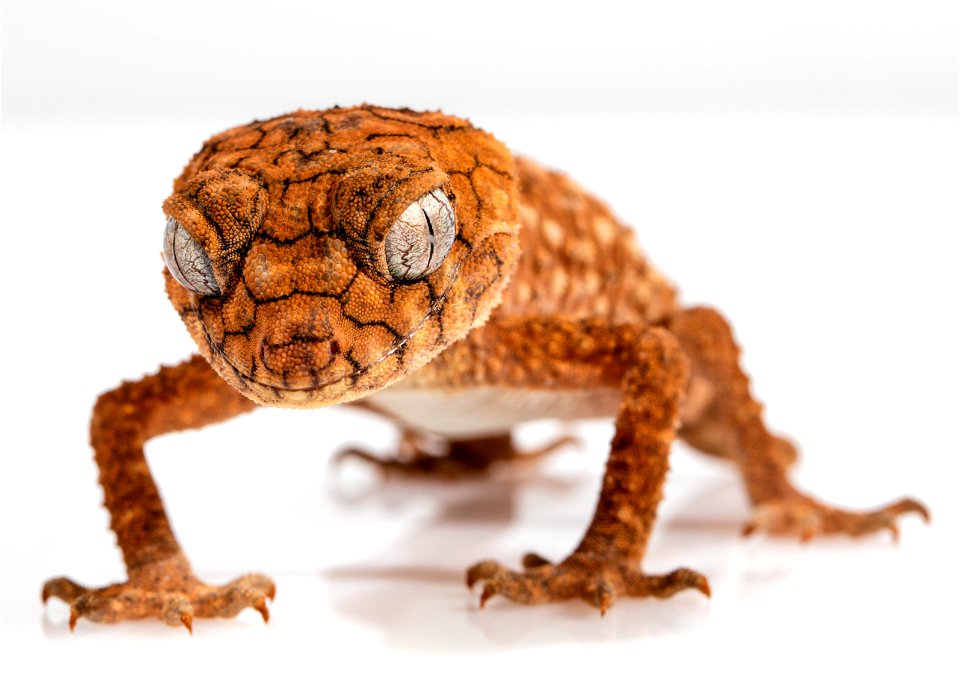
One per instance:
(280, 391)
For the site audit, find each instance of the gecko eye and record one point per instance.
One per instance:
(187, 261)
(420, 239)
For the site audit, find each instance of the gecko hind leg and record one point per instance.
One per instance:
(732, 425)
(709, 434)
(160, 581)
(416, 456)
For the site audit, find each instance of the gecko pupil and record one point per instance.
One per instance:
(431, 238)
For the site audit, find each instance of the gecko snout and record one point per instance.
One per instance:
(301, 356)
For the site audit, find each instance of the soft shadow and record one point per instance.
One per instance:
(425, 607)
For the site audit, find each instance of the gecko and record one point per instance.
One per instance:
(407, 263)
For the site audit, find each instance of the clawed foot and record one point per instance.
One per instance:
(596, 580)
(451, 459)
(802, 516)
(167, 591)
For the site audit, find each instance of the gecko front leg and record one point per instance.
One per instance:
(160, 582)
(648, 367)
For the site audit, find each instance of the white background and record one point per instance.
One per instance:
(795, 165)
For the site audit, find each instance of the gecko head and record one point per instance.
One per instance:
(320, 256)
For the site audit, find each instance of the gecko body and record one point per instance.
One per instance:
(407, 263)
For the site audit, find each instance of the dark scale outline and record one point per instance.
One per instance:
(385, 194)
(302, 291)
(469, 176)
(463, 239)
(430, 127)
(284, 241)
(295, 292)
(205, 211)
(358, 369)
(249, 327)
(236, 164)
(396, 134)
(317, 175)
(256, 145)
(310, 157)
(360, 324)
(292, 133)
(500, 172)
(312, 220)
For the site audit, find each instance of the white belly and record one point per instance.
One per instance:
(486, 411)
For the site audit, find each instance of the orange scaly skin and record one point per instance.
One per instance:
(544, 306)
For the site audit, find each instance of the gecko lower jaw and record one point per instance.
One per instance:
(305, 393)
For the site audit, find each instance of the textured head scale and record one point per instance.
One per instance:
(289, 218)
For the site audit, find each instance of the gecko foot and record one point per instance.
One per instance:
(798, 515)
(594, 579)
(450, 459)
(167, 591)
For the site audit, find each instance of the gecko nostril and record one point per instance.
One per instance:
(334, 347)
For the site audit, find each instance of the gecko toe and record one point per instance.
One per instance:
(666, 585)
(806, 518)
(533, 560)
(62, 587)
(907, 505)
(482, 571)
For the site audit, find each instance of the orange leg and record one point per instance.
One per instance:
(732, 425)
(421, 455)
(160, 581)
(649, 368)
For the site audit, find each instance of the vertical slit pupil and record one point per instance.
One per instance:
(433, 238)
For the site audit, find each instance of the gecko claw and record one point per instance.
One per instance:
(62, 587)
(909, 505)
(187, 620)
(488, 592)
(603, 598)
(703, 585)
(261, 607)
